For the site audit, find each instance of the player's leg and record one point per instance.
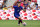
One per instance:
(18, 16)
(20, 20)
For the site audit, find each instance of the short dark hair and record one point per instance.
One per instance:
(18, 2)
(24, 0)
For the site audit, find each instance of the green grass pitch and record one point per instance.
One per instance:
(14, 23)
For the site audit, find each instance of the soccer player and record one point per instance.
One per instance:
(18, 8)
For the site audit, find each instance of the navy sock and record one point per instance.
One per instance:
(21, 21)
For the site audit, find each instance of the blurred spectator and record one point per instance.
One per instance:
(36, 9)
(31, 4)
(22, 4)
(5, 1)
(28, 8)
(36, 6)
(26, 4)
(5, 8)
(22, 0)
(0, 5)
(29, 0)
(1, 1)
(3, 5)
(39, 7)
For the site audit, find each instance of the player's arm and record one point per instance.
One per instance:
(7, 7)
(15, 3)
(23, 9)
(13, 6)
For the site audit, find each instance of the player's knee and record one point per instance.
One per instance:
(19, 17)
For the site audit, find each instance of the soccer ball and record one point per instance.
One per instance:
(24, 24)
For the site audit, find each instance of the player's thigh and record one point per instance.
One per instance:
(17, 16)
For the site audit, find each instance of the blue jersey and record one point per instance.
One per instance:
(17, 10)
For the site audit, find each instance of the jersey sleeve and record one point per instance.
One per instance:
(14, 6)
(21, 7)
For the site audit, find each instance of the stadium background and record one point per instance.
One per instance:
(9, 14)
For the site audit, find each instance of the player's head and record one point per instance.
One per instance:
(19, 4)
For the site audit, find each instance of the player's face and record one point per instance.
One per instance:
(19, 4)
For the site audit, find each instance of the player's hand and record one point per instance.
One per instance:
(24, 10)
(15, 3)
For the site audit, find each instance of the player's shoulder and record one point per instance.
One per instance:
(15, 5)
(20, 6)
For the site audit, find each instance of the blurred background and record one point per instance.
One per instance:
(31, 17)
(32, 9)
